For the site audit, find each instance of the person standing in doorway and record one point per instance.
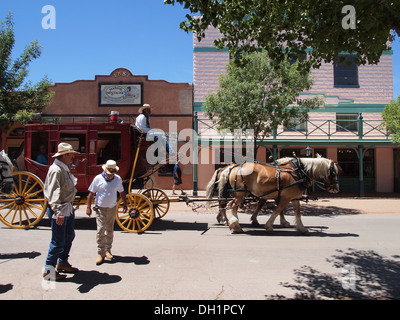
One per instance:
(60, 191)
(106, 186)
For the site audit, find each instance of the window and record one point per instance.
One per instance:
(297, 125)
(76, 140)
(39, 146)
(320, 151)
(349, 163)
(346, 122)
(291, 153)
(345, 72)
(108, 146)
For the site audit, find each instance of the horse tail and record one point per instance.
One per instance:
(223, 181)
(212, 184)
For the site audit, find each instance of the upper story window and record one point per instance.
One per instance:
(345, 73)
(346, 122)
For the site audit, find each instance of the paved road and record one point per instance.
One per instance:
(352, 251)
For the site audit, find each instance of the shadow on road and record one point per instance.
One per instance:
(90, 279)
(362, 274)
(163, 225)
(19, 255)
(309, 209)
(10, 256)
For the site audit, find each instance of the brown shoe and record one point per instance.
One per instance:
(109, 255)
(66, 267)
(99, 260)
(58, 277)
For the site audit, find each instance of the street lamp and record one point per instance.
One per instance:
(308, 151)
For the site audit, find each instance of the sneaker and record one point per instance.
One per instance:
(66, 267)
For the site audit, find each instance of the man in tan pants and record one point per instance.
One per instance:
(105, 186)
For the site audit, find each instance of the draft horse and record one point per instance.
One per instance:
(284, 181)
(212, 190)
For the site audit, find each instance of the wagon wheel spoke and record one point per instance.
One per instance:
(159, 200)
(139, 216)
(26, 205)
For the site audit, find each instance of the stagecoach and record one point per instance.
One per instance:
(96, 143)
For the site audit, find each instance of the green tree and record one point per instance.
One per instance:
(19, 100)
(260, 96)
(298, 27)
(391, 117)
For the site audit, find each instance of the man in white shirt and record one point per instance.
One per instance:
(105, 186)
(143, 124)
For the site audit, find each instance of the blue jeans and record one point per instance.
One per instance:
(61, 239)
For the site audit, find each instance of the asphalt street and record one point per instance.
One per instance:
(351, 252)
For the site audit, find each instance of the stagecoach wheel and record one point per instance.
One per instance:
(139, 216)
(160, 201)
(25, 206)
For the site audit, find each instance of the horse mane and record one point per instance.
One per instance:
(318, 167)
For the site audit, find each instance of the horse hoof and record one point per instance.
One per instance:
(237, 231)
(285, 225)
(234, 226)
(269, 229)
(255, 223)
(303, 231)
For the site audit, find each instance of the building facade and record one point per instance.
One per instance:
(119, 94)
(347, 128)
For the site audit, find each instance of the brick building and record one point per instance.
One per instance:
(346, 128)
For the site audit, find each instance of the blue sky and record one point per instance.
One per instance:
(95, 37)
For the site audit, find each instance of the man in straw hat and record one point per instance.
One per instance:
(143, 124)
(105, 186)
(60, 191)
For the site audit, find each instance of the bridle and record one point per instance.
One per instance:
(333, 178)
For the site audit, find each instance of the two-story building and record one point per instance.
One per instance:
(347, 128)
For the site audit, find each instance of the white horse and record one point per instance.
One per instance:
(6, 169)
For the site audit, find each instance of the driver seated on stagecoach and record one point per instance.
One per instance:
(143, 124)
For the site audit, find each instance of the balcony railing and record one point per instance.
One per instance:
(313, 129)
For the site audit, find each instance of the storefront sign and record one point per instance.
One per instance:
(120, 94)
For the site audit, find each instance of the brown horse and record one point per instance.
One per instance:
(212, 190)
(284, 183)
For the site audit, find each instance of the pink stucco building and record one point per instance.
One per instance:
(346, 128)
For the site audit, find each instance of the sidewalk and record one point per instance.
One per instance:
(325, 204)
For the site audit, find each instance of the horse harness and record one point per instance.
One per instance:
(298, 173)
